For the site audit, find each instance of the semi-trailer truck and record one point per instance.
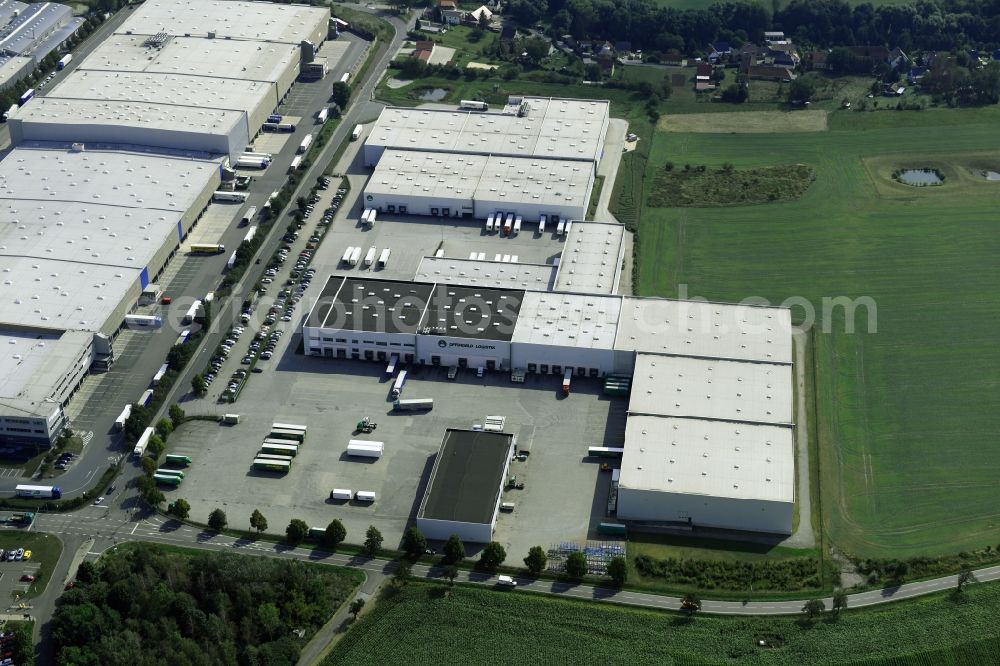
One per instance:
(28, 94)
(517, 224)
(370, 256)
(143, 321)
(143, 442)
(306, 143)
(413, 404)
(207, 248)
(473, 105)
(65, 60)
(38, 492)
(251, 162)
(10, 112)
(567, 376)
(355, 256)
(347, 255)
(356, 133)
(341, 494)
(296, 163)
(323, 114)
(123, 417)
(397, 387)
(383, 258)
(229, 197)
(365, 449)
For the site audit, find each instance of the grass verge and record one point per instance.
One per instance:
(424, 623)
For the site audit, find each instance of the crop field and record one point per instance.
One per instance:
(424, 624)
(705, 4)
(743, 122)
(907, 415)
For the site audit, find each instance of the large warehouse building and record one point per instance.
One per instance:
(709, 431)
(466, 485)
(111, 171)
(537, 156)
(88, 230)
(189, 75)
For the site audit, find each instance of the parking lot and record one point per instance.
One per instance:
(564, 496)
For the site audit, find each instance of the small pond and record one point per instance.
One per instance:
(433, 94)
(919, 177)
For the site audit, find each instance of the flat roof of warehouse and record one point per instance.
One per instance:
(32, 365)
(707, 330)
(486, 273)
(169, 117)
(439, 176)
(553, 128)
(568, 320)
(467, 476)
(81, 226)
(713, 458)
(363, 304)
(736, 391)
(481, 313)
(129, 177)
(33, 20)
(161, 89)
(257, 21)
(194, 57)
(591, 258)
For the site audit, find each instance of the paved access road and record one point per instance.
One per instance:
(94, 529)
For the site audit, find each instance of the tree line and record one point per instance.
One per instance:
(144, 605)
(922, 24)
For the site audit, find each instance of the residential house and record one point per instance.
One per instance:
(897, 59)
(423, 50)
(818, 61)
(477, 16)
(719, 51)
(445, 5)
(782, 55)
(452, 16)
(774, 37)
(770, 73)
(703, 77)
(893, 90)
(915, 75)
(673, 60)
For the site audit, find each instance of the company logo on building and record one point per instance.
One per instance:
(466, 345)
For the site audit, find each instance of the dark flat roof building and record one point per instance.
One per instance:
(463, 494)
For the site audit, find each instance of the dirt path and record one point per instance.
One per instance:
(804, 536)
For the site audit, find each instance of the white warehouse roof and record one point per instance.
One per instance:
(708, 330)
(712, 389)
(112, 176)
(552, 129)
(440, 177)
(692, 456)
(194, 57)
(256, 21)
(591, 258)
(81, 226)
(567, 320)
(114, 114)
(486, 273)
(32, 366)
(200, 92)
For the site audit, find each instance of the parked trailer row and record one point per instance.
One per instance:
(175, 459)
(345, 495)
(289, 426)
(370, 256)
(265, 465)
(383, 258)
(167, 480)
(368, 217)
(351, 256)
(286, 433)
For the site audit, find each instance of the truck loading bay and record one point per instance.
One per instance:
(564, 497)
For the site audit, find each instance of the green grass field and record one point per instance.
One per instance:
(430, 624)
(705, 4)
(907, 416)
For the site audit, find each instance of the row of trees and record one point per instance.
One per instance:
(923, 24)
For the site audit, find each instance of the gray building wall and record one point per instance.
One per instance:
(706, 510)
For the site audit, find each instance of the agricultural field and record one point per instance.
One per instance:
(424, 623)
(697, 185)
(907, 415)
(705, 4)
